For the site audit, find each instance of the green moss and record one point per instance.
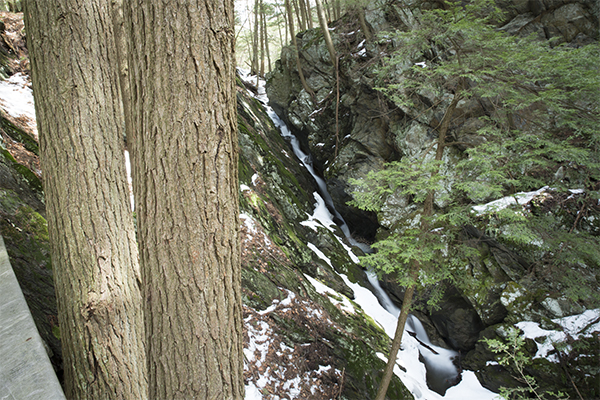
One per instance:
(56, 331)
(17, 134)
(30, 178)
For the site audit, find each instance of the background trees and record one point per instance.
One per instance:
(93, 246)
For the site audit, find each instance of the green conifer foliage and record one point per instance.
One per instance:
(540, 123)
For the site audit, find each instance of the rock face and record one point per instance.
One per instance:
(276, 195)
(502, 284)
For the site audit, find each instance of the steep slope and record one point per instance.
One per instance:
(506, 285)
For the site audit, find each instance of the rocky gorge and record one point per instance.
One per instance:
(306, 337)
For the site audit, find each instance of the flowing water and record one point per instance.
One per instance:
(439, 362)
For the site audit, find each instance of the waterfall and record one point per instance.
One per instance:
(439, 362)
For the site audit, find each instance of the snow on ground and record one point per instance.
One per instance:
(16, 98)
(272, 369)
(414, 376)
(575, 326)
(410, 370)
(337, 299)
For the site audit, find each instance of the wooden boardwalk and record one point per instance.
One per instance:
(25, 369)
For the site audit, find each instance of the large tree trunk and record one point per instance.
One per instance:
(94, 254)
(185, 163)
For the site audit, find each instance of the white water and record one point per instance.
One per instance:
(441, 371)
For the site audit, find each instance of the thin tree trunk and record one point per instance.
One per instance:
(254, 69)
(424, 228)
(363, 23)
(93, 245)
(295, 43)
(185, 163)
(302, 6)
(301, 25)
(281, 42)
(309, 17)
(335, 62)
(262, 39)
(266, 36)
(397, 342)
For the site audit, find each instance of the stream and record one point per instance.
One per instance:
(439, 362)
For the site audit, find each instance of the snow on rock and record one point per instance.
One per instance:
(520, 198)
(16, 98)
(319, 253)
(575, 326)
(409, 369)
(339, 300)
(272, 369)
(321, 217)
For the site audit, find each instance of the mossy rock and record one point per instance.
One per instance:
(19, 135)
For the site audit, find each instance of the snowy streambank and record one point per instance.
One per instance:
(412, 372)
(271, 366)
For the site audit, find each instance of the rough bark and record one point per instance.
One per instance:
(184, 162)
(94, 254)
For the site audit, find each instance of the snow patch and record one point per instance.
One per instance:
(321, 217)
(580, 325)
(16, 98)
(520, 198)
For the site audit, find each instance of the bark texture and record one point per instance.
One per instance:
(94, 254)
(185, 160)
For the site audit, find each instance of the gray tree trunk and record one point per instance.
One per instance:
(185, 163)
(93, 246)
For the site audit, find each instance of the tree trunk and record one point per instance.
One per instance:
(302, 6)
(424, 228)
(93, 246)
(262, 39)
(266, 37)
(301, 24)
(309, 16)
(397, 342)
(363, 23)
(254, 70)
(326, 35)
(295, 43)
(185, 163)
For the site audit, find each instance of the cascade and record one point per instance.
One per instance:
(439, 362)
